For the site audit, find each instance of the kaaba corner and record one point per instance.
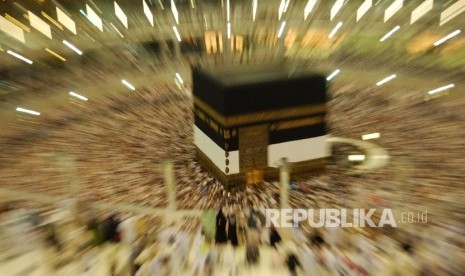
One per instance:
(248, 119)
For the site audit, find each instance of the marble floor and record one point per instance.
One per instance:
(40, 262)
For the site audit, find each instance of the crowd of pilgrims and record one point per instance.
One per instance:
(111, 151)
(223, 242)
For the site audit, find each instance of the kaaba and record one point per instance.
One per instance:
(247, 119)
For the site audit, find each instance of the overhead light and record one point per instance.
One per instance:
(440, 89)
(147, 12)
(66, 20)
(116, 29)
(447, 37)
(174, 10)
(23, 110)
(370, 136)
(281, 9)
(421, 10)
(55, 54)
(17, 23)
(130, 86)
(386, 36)
(308, 8)
(383, 81)
(120, 14)
(356, 157)
(93, 17)
(85, 14)
(72, 47)
(332, 75)
(179, 78)
(452, 11)
(229, 30)
(76, 95)
(254, 9)
(53, 21)
(393, 9)
(281, 29)
(334, 31)
(16, 55)
(364, 8)
(161, 4)
(227, 10)
(93, 4)
(177, 83)
(12, 29)
(336, 7)
(39, 24)
(287, 5)
(177, 33)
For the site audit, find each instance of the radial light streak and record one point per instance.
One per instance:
(308, 8)
(18, 56)
(333, 74)
(53, 21)
(336, 8)
(281, 29)
(356, 157)
(437, 90)
(55, 54)
(254, 9)
(386, 36)
(371, 136)
(383, 81)
(147, 12)
(179, 78)
(227, 10)
(447, 37)
(72, 47)
(128, 85)
(177, 33)
(334, 31)
(116, 29)
(28, 111)
(76, 95)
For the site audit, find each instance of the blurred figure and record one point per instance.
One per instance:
(221, 222)
(253, 220)
(110, 226)
(292, 261)
(275, 238)
(232, 230)
(52, 236)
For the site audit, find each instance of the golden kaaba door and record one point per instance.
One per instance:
(253, 152)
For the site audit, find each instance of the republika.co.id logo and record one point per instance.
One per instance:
(339, 217)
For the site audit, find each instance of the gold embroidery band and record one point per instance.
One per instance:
(261, 116)
(300, 122)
